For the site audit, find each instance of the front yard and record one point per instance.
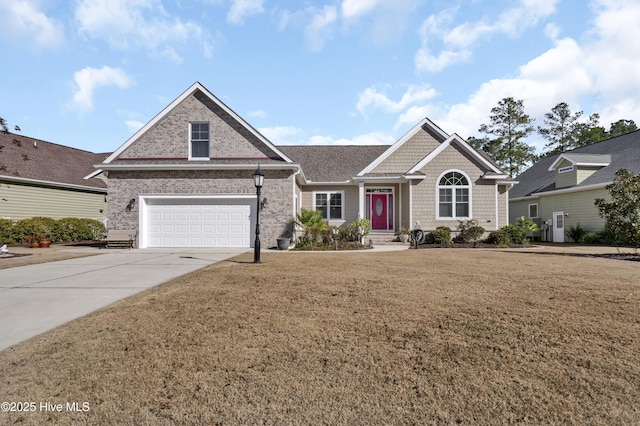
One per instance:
(463, 336)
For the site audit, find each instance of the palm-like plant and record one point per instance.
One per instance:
(312, 224)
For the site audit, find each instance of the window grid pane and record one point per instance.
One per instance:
(321, 204)
(200, 140)
(446, 203)
(335, 210)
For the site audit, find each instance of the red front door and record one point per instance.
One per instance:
(379, 212)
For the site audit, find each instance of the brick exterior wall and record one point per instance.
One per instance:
(169, 138)
(278, 189)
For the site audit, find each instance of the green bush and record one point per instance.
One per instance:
(591, 238)
(469, 231)
(576, 233)
(61, 230)
(517, 234)
(501, 238)
(441, 235)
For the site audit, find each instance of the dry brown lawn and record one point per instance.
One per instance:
(31, 256)
(414, 337)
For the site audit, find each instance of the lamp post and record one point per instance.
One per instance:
(258, 180)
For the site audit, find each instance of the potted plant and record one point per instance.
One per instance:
(284, 241)
(33, 240)
(404, 235)
(45, 242)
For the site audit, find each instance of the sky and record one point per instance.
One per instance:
(90, 73)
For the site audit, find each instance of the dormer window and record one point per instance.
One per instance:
(199, 141)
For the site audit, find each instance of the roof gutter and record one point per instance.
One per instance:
(563, 191)
(52, 184)
(195, 166)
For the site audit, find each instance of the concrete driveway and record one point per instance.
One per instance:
(37, 298)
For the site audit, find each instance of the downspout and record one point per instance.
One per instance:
(293, 207)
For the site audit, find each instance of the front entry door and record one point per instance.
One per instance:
(380, 211)
(558, 227)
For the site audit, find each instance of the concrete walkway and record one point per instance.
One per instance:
(37, 298)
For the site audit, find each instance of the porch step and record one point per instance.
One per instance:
(383, 238)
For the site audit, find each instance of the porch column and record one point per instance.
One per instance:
(361, 200)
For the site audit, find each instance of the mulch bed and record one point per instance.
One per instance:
(634, 257)
(465, 245)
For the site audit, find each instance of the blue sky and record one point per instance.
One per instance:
(89, 73)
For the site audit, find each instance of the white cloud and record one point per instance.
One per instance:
(351, 9)
(371, 98)
(319, 29)
(455, 43)
(139, 24)
(257, 114)
(296, 136)
(284, 135)
(22, 21)
(373, 138)
(89, 79)
(240, 9)
(134, 125)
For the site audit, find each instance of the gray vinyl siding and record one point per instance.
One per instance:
(585, 172)
(578, 205)
(19, 201)
(566, 179)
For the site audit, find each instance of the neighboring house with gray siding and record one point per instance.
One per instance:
(39, 178)
(559, 191)
(185, 179)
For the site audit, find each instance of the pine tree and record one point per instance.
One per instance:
(509, 126)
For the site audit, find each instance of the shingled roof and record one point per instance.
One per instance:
(333, 163)
(623, 151)
(29, 158)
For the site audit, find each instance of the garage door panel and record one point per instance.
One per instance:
(199, 223)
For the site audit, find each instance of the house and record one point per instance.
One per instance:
(39, 178)
(185, 180)
(559, 191)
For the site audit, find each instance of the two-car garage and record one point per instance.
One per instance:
(190, 221)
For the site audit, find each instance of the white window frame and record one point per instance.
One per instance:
(328, 194)
(529, 211)
(454, 190)
(191, 157)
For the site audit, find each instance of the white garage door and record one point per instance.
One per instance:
(198, 223)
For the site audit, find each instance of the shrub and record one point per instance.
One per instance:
(517, 234)
(469, 231)
(441, 235)
(61, 230)
(591, 238)
(501, 238)
(576, 233)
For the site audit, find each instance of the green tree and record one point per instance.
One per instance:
(3, 125)
(621, 127)
(622, 213)
(589, 132)
(559, 128)
(509, 126)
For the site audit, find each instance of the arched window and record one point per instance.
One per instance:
(453, 196)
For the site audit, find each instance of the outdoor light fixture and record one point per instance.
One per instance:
(258, 180)
(132, 202)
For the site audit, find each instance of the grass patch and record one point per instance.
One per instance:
(410, 337)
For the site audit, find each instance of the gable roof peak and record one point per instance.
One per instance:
(196, 86)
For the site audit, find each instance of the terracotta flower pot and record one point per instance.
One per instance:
(35, 244)
(45, 244)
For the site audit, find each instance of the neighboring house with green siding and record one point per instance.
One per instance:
(559, 191)
(39, 178)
